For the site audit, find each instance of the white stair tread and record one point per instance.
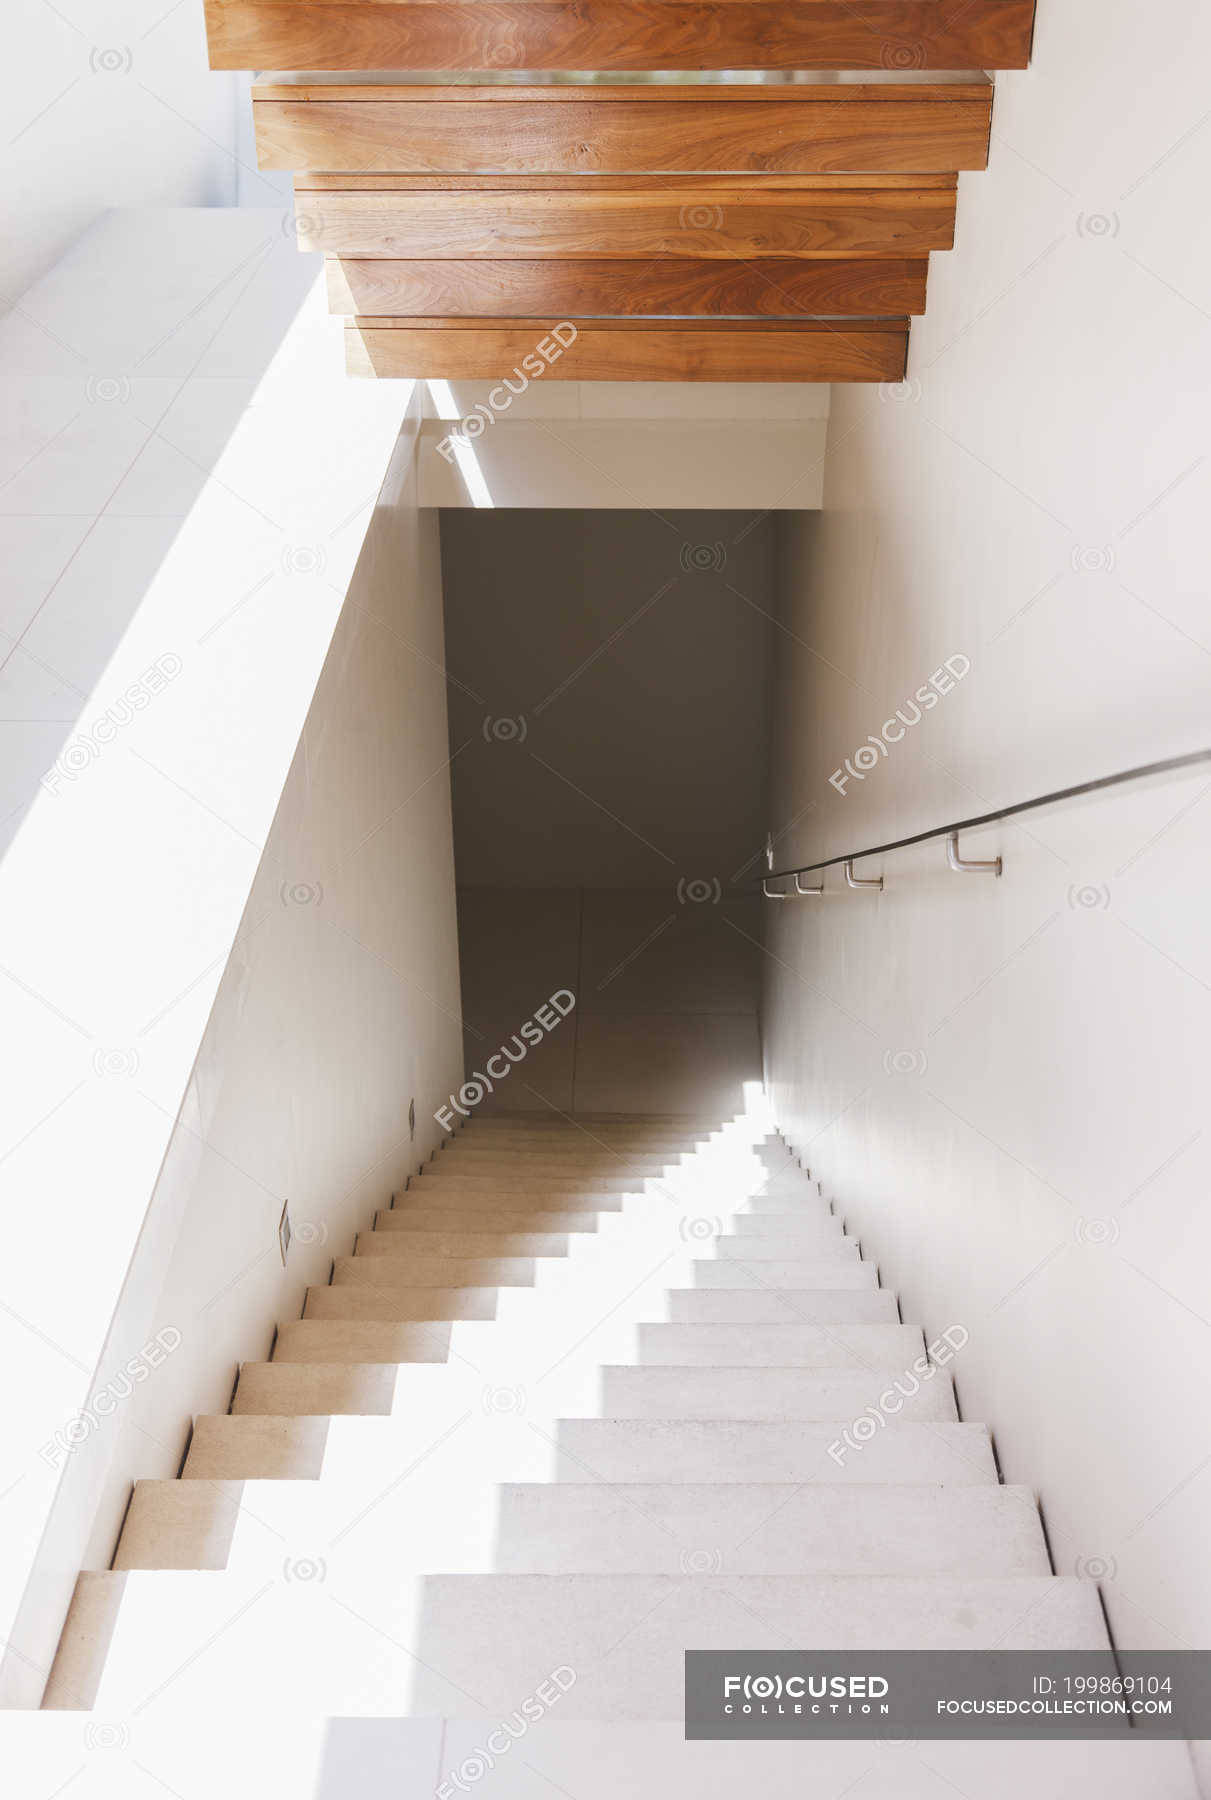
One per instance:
(781, 1306)
(498, 1636)
(453, 1197)
(797, 1225)
(425, 1304)
(250, 1446)
(502, 1182)
(462, 1243)
(781, 1346)
(361, 1341)
(678, 1392)
(287, 1389)
(433, 1271)
(650, 1760)
(179, 1525)
(749, 1528)
(671, 1450)
(490, 1220)
(786, 1241)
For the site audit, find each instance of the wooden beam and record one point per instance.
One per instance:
(619, 34)
(628, 350)
(765, 287)
(715, 223)
(851, 126)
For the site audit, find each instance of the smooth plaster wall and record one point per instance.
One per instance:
(1004, 1083)
(339, 1005)
(609, 695)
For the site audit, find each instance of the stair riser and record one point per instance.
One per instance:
(360, 1341)
(734, 1529)
(775, 1394)
(782, 1306)
(624, 1636)
(780, 1346)
(778, 1245)
(419, 1305)
(433, 1271)
(670, 1451)
(464, 1245)
(293, 1390)
(767, 1276)
(421, 1218)
(232, 1447)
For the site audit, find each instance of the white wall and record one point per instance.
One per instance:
(109, 105)
(1005, 1083)
(609, 697)
(189, 485)
(339, 1007)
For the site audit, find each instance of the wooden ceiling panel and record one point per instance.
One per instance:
(630, 350)
(914, 129)
(654, 287)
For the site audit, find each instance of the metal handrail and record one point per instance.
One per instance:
(1169, 766)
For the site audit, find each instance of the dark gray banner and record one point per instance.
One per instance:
(898, 1694)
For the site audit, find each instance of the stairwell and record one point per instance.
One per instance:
(580, 1399)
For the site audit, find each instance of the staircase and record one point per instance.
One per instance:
(472, 1462)
(707, 190)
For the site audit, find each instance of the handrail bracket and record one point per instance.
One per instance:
(962, 866)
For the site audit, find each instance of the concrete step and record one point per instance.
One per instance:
(451, 1197)
(726, 1450)
(490, 1220)
(594, 1160)
(503, 1180)
(748, 1528)
(179, 1525)
(247, 1447)
(797, 1345)
(802, 1227)
(419, 1271)
(465, 1244)
(424, 1304)
(650, 1760)
(677, 1392)
(361, 1341)
(289, 1389)
(497, 1636)
(767, 1274)
(782, 1306)
(786, 1240)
